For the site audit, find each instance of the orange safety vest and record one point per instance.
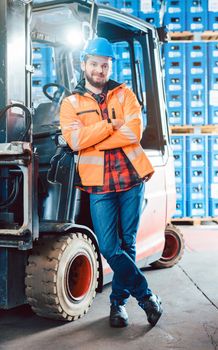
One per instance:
(98, 135)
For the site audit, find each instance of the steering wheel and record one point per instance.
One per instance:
(57, 94)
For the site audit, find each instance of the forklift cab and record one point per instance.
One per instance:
(53, 227)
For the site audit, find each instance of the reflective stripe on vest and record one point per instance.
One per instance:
(73, 100)
(75, 139)
(135, 153)
(126, 131)
(91, 160)
(128, 118)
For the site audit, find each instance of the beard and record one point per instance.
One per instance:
(96, 84)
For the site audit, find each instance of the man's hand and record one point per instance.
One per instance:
(117, 123)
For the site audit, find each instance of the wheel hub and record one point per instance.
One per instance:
(79, 277)
(171, 247)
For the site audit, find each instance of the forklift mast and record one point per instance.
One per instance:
(18, 161)
(15, 56)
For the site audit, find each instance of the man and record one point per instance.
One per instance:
(102, 120)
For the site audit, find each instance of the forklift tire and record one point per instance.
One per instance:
(62, 276)
(173, 249)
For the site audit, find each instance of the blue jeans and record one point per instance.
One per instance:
(115, 218)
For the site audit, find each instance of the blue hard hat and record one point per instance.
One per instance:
(98, 47)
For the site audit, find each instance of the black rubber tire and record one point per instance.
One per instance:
(62, 276)
(173, 249)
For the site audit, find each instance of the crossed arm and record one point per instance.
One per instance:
(102, 135)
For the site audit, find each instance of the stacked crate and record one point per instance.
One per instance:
(42, 63)
(122, 69)
(191, 175)
(174, 54)
(129, 6)
(213, 119)
(43, 70)
(200, 190)
(111, 3)
(212, 15)
(174, 17)
(197, 176)
(150, 11)
(123, 64)
(194, 94)
(196, 15)
(196, 83)
(178, 15)
(213, 175)
(213, 82)
(178, 146)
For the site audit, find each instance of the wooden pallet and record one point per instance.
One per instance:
(208, 35)
(194, 129)
(194, 221)
(177, 36)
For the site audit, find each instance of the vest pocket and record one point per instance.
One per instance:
(88, 111)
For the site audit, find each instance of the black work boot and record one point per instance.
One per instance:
(152, 308)
(118, 316)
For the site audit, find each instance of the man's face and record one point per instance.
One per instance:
(97, 70)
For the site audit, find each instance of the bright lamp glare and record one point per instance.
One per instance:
(74, 37)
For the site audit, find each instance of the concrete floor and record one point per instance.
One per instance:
(189, 292)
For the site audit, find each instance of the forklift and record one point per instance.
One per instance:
(49, 254)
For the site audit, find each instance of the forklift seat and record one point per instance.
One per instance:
(46, 118)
